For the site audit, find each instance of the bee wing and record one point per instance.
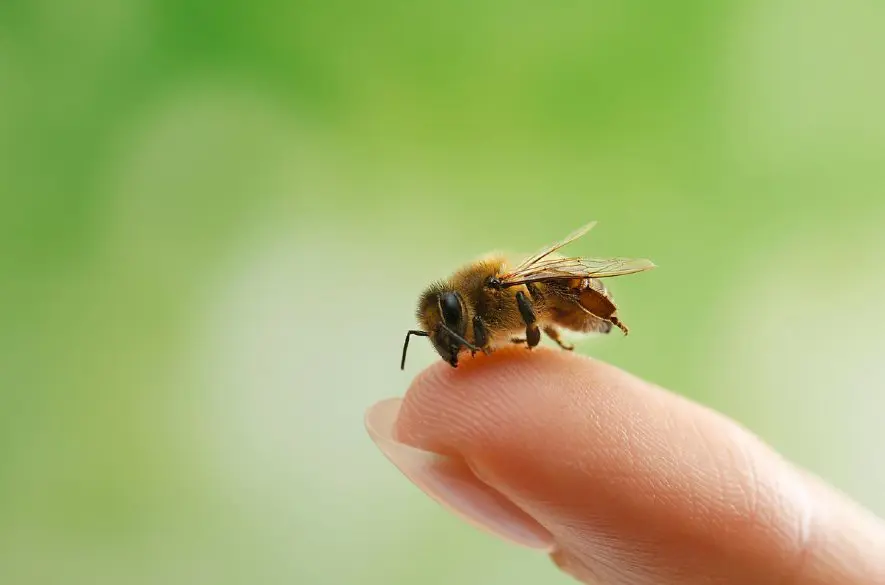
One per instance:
(565, 268)
(544, 252)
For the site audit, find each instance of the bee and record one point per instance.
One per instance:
(487, 304)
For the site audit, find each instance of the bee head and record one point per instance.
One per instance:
(443, 315)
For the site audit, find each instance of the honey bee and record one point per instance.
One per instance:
(487, 304)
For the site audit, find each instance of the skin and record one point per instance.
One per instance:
(618, 480)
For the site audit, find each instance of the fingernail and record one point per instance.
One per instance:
(449, 481)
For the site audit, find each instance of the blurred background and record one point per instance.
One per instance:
(216, 217)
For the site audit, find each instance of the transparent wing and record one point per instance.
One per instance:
(565, 268)
(544, 252)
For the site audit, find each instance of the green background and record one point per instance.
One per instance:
(216, 217)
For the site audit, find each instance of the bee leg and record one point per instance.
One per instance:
(619, 324)
(480, 336)
(553, 334)
(517, 340)
(532, 333)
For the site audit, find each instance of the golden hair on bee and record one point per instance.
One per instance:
(487, 304)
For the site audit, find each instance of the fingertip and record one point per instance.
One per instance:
(451, 482)
(446, 407)
(514, 394)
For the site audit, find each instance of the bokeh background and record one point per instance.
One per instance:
(215, 219)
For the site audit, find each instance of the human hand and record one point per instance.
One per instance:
(620, 481)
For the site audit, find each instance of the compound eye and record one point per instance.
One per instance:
(450, 307)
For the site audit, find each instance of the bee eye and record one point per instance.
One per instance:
(450, 307)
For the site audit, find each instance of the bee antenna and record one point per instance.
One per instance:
(417, 332)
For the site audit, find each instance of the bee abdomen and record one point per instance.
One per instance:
(595, 298)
